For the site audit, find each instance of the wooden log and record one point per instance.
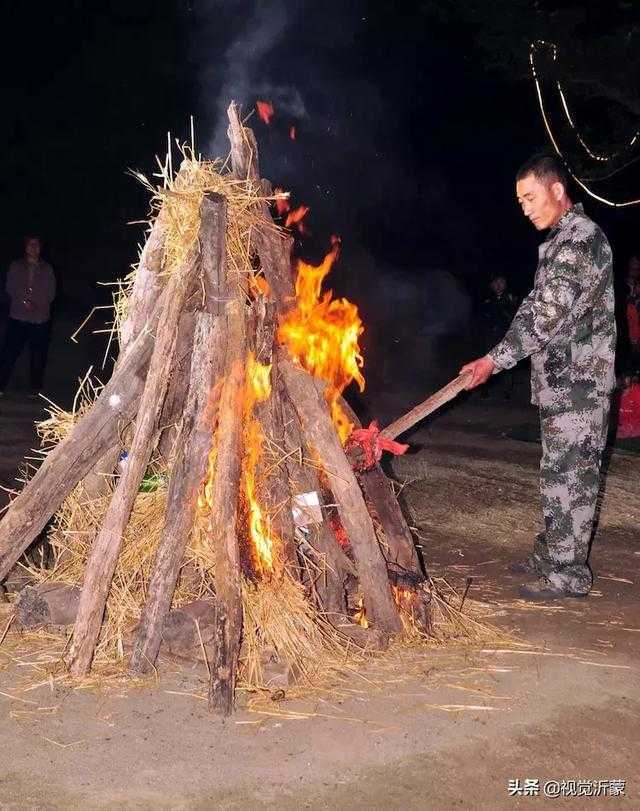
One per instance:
(187, 474)
(189, 629)
(272, 473)
(146, 288)
(273, 247)
(224, 511)
(400, 548)
(275, 495)
(204, 295)
(244, 150)
(99, 480)
(47, 604)
(329, 582)
(274, 250)
(147, 284)
(366, 638)
(95, 434)
(106, 547)
(322, 438)
(179, 376)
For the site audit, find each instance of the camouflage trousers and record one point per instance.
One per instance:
(573, 442)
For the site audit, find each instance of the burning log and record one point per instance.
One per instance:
(322, 438)
(276, 494)
(334, 566)
(105, 549)
(400, 549)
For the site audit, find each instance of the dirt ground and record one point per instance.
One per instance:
(441, 728)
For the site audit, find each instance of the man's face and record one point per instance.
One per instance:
(499, 285)
(542, 203)
(32, 249)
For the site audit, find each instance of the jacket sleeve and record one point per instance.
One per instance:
(51, 285)
(12, 285)
(543, 312)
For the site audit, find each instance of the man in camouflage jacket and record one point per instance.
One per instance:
(567, 326)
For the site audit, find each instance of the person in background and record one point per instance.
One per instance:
(31, 287)
(632, 313)
(497, 311)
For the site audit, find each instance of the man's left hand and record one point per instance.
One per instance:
(481, 370)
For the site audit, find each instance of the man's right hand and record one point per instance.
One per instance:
(481, 370)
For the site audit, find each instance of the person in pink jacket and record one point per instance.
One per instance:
(31, 287)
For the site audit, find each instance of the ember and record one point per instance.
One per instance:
(295, 217)
(265, 111)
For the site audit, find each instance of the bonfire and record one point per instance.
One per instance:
(202, 499)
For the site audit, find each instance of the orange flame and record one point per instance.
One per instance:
(295, 217)
(292, 133)
(321, 334)
(263, 539)
(265, 111)
(259, 286)
(360, 617)
(403, 597)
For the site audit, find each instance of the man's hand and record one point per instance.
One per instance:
(481, 370)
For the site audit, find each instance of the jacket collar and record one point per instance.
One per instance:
(569, 214)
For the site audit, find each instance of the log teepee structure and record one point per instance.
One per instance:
(212, 389)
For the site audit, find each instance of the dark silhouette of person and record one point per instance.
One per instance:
(632, 314)
(31, 287)
(497, 311)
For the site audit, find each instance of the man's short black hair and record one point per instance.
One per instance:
(544, 167)
(29, 237)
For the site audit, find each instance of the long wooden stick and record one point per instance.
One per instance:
(426, 407)
(224, 512)
(106, 547)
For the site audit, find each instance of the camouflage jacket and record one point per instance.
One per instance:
(567, 322)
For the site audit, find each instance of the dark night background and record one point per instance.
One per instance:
(412, 120)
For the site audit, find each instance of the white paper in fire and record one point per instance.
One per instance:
(306, 509)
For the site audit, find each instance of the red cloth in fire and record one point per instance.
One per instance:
(369, 446)
(629, 415)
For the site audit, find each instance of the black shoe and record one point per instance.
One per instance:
(524, 566)
(544, 590)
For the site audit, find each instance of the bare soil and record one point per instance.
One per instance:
(442, 728)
